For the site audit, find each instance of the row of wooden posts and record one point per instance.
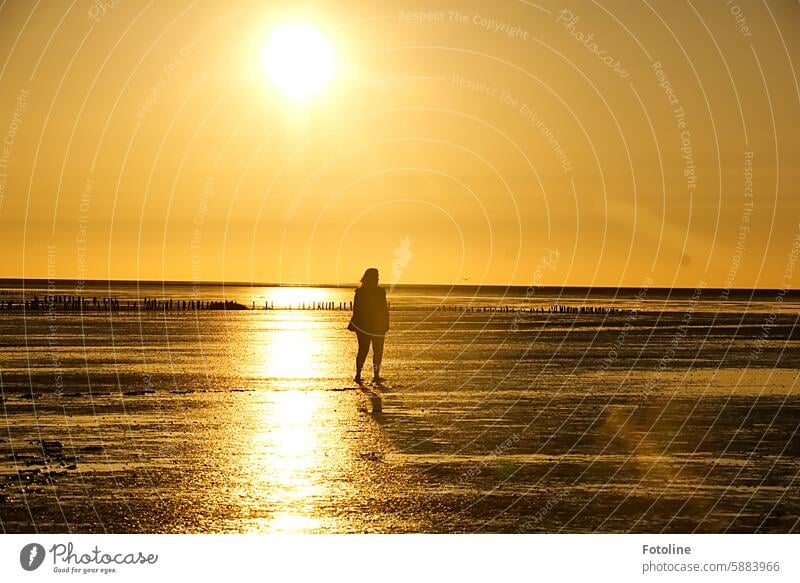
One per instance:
(554, 309)
(71, 303)
(80, 303)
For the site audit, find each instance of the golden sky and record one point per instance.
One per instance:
(587, 143)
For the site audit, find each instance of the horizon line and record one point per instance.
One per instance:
(400, 285)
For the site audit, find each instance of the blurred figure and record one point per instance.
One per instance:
(370, 322)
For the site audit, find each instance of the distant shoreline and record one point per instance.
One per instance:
(539, 290)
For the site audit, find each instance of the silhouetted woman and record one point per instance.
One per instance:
(370, 322)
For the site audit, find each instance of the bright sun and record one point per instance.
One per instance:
(298, 60)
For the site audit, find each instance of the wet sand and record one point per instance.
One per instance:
(489, 423)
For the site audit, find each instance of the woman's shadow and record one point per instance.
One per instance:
(375, 400)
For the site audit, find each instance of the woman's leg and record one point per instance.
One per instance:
(363, 349)
(377, 355)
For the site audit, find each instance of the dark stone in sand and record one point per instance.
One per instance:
(52, 446)
(76, 394)
(48, 476)
(21, 457)
(92, 449)
(28, 460)
(72, 467)
(139, 392)
(372, 456)
(227, 305)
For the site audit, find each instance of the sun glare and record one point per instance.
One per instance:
(299, 60)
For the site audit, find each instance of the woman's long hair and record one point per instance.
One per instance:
(370, 278)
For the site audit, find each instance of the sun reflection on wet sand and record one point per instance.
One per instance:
(293, 354)
(290, 453)
(303, 468)
(295, 350)
(290, 442)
